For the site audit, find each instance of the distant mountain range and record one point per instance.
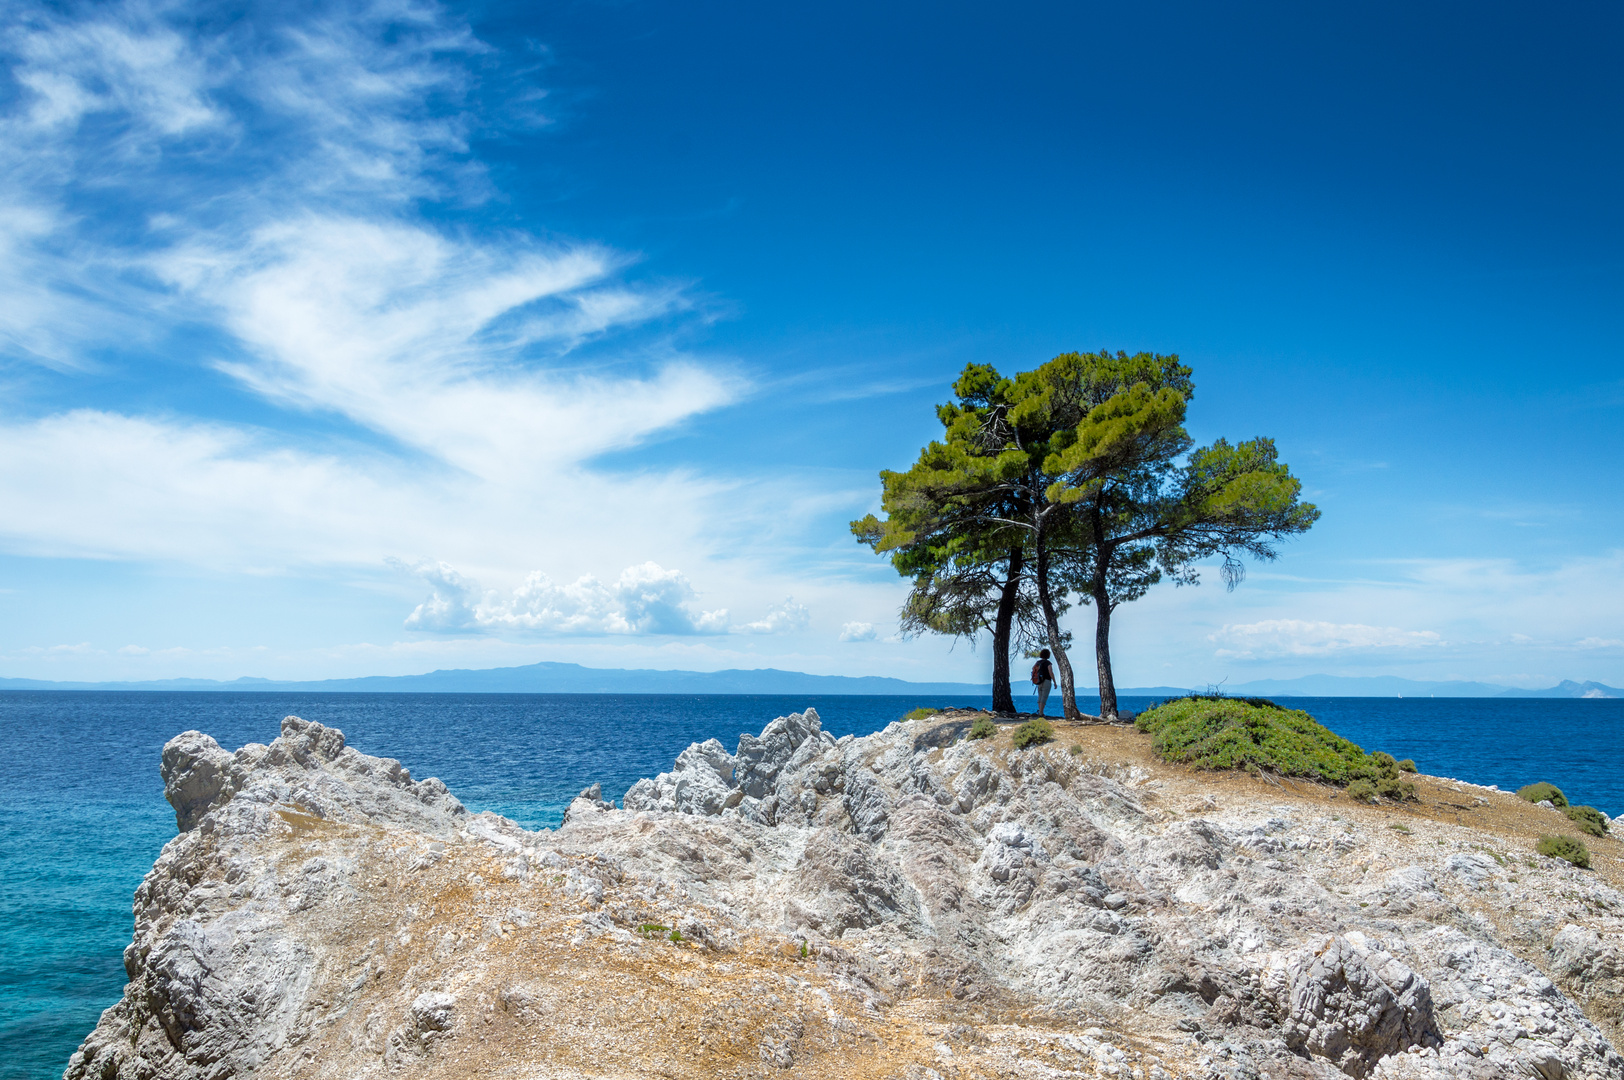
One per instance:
(552, 678)
(1391, 686)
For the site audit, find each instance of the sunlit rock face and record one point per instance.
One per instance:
(908, 904)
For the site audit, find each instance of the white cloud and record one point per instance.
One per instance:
(858, 631)
(422, 338)
(96, 484)
(276, 159)
(781, 619)
(1295, 637)
(645, 599)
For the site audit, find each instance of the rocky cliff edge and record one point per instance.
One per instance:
(909, 904)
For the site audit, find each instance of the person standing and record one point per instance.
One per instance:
(1043, 679)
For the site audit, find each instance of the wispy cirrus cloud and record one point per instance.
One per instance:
(1273, 638)
(256, 181)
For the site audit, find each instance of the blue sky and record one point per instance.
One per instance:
(370, 339)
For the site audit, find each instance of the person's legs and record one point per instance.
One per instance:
(1043, 694)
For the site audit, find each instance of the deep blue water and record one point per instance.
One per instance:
(84, 815)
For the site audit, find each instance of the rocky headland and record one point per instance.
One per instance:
(909, 904)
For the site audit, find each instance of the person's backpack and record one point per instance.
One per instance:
(1039, 675)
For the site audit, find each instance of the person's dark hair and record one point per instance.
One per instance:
(1044, 653)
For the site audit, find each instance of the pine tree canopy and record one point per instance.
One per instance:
(1078, 476)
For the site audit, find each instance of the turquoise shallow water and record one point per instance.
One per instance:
(84, 814)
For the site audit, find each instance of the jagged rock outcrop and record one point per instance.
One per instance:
(1351, 1005)
(905, 904)
(764, 781)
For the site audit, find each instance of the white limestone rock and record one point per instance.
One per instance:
(1268, 939)
(760, 758)
(700, 783)
(1351, 1005)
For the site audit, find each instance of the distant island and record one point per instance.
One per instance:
(555, 678)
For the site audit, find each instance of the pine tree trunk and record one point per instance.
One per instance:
(1051, 623)
(1102, 637)
(1102, 657)
(1003, 698)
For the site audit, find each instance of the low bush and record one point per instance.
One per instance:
(1362, 791)
(1565, 847)
(1542, 792)
(983, 728)
(920, 713)
(1407, 765)
(1588, 818)
(1035, 730)
(1391, 787)
(1257, 735)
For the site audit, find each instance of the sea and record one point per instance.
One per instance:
(84, 816)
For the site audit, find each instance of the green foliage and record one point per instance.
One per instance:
(1391, 787)
(804, 950)
(1542, 792)
(676, 937)
(920, 713)
(1035, 730)
(1407, 765)
(652, 929)
(943, 523)
(983, 728)
(1227, 733)
(1255, 734)
(1588, 818)
(1077, 750)
(1077, 477)
(1565, 847)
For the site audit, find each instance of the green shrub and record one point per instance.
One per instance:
(1391, 787)
(1076, 750)
(1565, 847)
(1362, 791)
(1588, 818)
(1210, 732)
(1542, 791)
(920, 713)
(983, 728)
(1407, 765)
(1035, 730)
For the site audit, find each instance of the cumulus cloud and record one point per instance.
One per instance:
(1274, 638)
(781, 619)
(858, 631)
(646, 599)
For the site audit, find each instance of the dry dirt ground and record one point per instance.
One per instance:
(538, 996)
